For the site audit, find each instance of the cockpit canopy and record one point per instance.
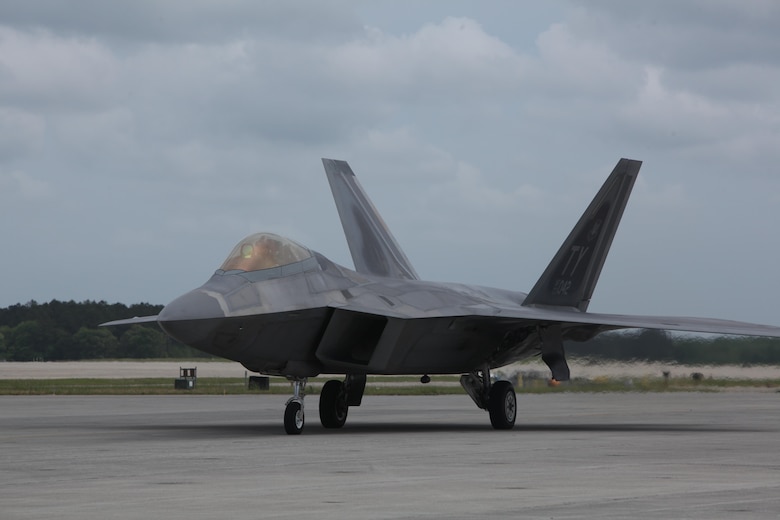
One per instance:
(263, 251)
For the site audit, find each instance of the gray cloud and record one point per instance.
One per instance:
(190, 21)
(139, 141)
(696, 34)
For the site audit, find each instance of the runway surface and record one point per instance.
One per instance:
(676, 455)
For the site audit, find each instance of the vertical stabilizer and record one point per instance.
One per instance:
(373, 248)
(570, 278)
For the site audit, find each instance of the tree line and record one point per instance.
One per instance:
(60, 331)
(660, 345)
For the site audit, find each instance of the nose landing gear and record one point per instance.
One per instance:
(293, 412)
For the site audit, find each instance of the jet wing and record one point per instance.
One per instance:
(675, 323)
(568, 319)
(130, 321)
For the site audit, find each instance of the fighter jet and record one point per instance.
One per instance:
(282, 309)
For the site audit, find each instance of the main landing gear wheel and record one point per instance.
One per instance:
(333, 404)
(497, 398)
(502, 405)
(293, 418)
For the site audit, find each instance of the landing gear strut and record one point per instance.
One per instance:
(293, 412)
(497, 398)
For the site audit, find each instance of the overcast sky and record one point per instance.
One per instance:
(141, 140)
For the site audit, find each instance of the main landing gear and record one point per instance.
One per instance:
(335, 399)
(497, 398)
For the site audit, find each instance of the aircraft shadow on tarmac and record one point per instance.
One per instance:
(358, 428)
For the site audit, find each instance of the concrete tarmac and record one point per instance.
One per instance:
(674, 455)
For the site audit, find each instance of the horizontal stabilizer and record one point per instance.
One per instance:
(373, 248)
(571, 277)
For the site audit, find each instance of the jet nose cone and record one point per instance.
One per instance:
(190, 318)
(195, 305)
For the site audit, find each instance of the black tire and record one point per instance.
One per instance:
(502, 405)
(293, 418)
(333, 405)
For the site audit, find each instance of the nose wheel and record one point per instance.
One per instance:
(293, 412)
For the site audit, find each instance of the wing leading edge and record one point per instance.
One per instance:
(131, 321)
(604, 322)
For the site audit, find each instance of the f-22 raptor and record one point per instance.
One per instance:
(282, 309)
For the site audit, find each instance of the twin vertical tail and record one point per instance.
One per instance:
(568, 281)
(571, 277)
